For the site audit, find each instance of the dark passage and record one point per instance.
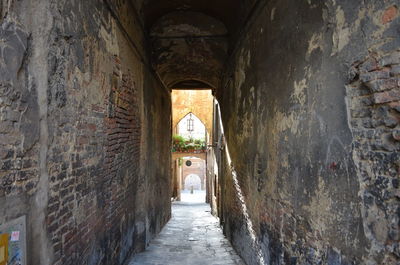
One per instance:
(299, 152)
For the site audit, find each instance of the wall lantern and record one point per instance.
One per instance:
(190, 123)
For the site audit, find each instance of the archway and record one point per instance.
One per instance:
(190, 126)
(192, 181)
(197, 102)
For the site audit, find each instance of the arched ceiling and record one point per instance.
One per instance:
(188, 45)
(191, 38)
(229, 12)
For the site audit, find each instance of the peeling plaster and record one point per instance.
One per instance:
(110, 38)
(299, 91)
(285, 122)
(320, 208)
(315, 43)
(341, 35)
(240, 73)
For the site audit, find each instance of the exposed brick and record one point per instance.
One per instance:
(391, 59)
(369, 65)
(388, 96)
(376, 147)
(370, 76)
(383, 84)
(389, 14)
(395, 70)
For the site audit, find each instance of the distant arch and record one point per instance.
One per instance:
(194, 114)
(199, 103)
(192, 180)
(199, 129)
(185, 115)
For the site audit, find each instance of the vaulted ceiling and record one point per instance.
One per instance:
(230, 12)
(191, 38)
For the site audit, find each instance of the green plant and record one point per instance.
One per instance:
(182, 144)
(178, 138)
(191, 146)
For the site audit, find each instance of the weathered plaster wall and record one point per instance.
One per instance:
(84, 129)
(314, 87)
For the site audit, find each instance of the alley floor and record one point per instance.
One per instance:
(192, 237)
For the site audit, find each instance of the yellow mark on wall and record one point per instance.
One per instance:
(3, 248)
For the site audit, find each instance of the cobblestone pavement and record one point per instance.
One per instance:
(192, 237)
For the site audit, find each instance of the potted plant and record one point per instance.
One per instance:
(190, 147)
(177, 143)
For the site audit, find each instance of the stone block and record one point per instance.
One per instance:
(385, 97)
(361, 113)
(383, 84)
(395, 70)
(391, 59)
(369, 65)
(370, 76)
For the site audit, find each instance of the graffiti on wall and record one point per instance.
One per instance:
(13, 242)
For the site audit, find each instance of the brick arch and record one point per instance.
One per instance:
(185, 181)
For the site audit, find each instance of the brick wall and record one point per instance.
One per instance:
(374, 107)
(81, 116)
(93, 181)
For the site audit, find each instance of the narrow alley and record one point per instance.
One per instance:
(283, 114)
(192, 236)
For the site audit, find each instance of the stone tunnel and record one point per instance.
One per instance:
(305, 129)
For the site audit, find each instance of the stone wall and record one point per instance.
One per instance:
(82, 118)
(315, 140)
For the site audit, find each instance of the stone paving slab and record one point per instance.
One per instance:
(192, 237)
